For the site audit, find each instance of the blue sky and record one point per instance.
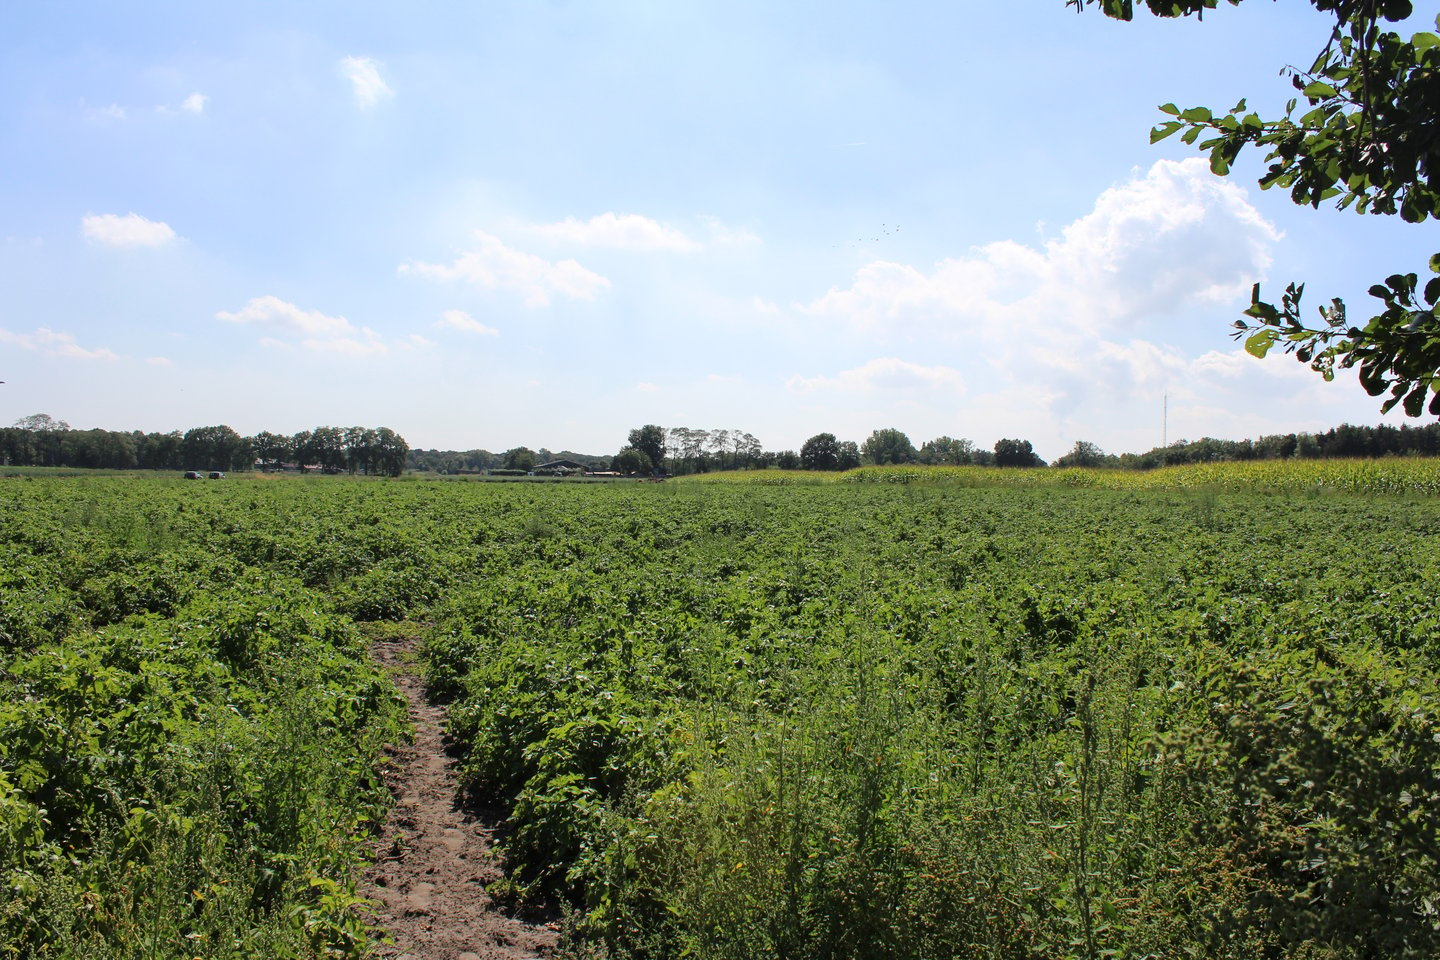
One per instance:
(486, 225)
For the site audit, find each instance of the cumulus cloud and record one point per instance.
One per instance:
(725, 236)
(364, 343)
(158, 361)
(193, 105)
(131, 230)
(113, 112)
(52, 344)
(1167, 239)
(884, 374)
(365, 80)
(460, 320)
(273, 312)
(495, 266)
(309, 329)
(628, 231)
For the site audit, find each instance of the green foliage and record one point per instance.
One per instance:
(820, 452)
(649, 440)
(631, 460)
(187, 742)
(887, 446)
(905, 711)
(855, 720)
(1016, 453)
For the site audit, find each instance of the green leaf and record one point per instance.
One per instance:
(1259, 343)
(1432, 290)
(1219, 164)
(1318, 90)
(1170, 108)
(1164, 130)
(1197, 115)
(1435, 263)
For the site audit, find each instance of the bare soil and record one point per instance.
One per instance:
(434, 857)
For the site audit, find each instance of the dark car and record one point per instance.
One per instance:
(192, 475)
(216, 475)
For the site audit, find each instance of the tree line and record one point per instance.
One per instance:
(681, 450)
(42, 441)
(1344, 441)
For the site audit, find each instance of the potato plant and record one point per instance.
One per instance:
(1046, 714)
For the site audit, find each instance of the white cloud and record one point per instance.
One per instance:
(365, 80)
(52, 344)
(276, 313)
(417, 342)
(722, 235)
(193, 105)
(645, 387)
(113, 112)
(628, 231)
(158, 361)
(1165, 240)
(131, 230)
(366, 343)
(309, 329)
(460, 320)
(765, 307)
(884, 374)
(498, 267)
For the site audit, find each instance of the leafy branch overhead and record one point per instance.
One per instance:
(1368, 138)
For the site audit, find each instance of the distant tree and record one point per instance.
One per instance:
(888, 446)
(947, 451)
(520, 458)
(820, 452)
(650, 440)
(215, 448)
(744, 450)
(158, 451)
(359, 446)
(1084, 454)
(787, 460)
(631, 460)
(41, 422)
(272, 448)
(847, 455)
(323, 447)
(1016, 453)
(390, 452)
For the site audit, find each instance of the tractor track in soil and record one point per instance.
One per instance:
(434, 857)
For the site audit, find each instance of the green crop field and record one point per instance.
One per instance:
(1087, 715)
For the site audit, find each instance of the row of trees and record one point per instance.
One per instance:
(1342, 441)
(891, 446)
(479, 461)
(681, 450)
(40, 440)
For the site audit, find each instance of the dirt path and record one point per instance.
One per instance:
(434, 858)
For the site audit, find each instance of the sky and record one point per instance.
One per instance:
(493, 224)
